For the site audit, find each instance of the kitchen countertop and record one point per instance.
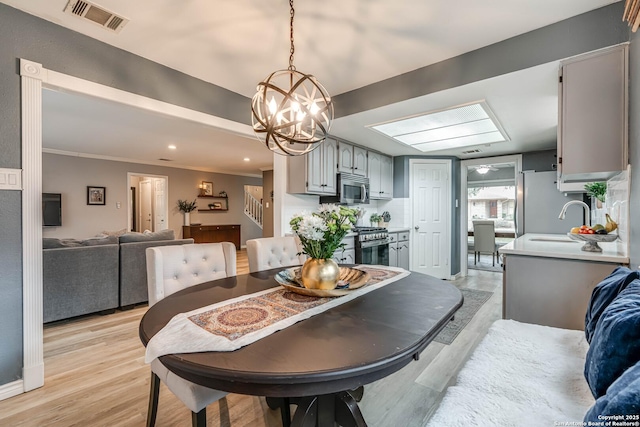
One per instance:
(561, 246)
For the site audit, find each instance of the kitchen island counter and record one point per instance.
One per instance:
(561, 246)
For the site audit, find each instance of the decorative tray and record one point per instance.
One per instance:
(350, 280)
(592, 240)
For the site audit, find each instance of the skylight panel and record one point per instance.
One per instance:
(470, 124)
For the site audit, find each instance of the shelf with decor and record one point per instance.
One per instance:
(215, 204)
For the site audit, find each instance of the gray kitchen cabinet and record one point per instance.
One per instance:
(550, 291)
(348, 254)
(403, 254)
(315, 172)
(380, 172)
(592, 129)
(352, 159)
(393, 249)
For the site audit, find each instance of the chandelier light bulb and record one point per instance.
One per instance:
(273, 107)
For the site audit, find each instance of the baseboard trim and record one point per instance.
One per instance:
(11, 389)
(456, 276)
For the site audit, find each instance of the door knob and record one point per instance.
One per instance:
(417, 227)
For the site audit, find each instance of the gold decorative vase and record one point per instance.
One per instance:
(320, 274)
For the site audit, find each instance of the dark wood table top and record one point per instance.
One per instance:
(343, 348)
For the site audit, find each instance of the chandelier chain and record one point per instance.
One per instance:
(292, 49)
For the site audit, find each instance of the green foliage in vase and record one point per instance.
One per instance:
(597, 190)
(321, 232)
(375, 217)
(186, 206)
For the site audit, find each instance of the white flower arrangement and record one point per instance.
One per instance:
(321, 232)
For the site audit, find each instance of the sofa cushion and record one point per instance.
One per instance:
(54, 243)
(604, 294)
(615, 345)
(622, 398)
(148, 236)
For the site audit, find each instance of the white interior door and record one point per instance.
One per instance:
(160, 202)
(146, 214)
(430, 194)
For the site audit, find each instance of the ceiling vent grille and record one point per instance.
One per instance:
(96, 14)
(471, 152)
(165, 160)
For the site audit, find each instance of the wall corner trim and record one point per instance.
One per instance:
(32, 69)
(11, 389)
(31, 79)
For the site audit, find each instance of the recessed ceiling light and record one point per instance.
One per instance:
(470, 124)
(172, 147)
(246, 159)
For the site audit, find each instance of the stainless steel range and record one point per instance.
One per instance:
(372, 245)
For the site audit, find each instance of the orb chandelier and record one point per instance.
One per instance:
(291, 111)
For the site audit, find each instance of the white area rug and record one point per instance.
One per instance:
(519, 375)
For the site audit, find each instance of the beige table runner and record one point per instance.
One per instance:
(231, 324)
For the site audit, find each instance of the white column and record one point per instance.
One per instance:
(32, 75)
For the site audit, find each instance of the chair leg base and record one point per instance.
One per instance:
(154, 392)
(199, 419)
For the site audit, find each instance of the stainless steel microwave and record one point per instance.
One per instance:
(352, 190)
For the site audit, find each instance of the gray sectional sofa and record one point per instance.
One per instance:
(98, 274)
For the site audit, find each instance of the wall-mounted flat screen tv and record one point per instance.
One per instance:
(51, 209)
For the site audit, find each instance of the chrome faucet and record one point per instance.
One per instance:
(563, 212)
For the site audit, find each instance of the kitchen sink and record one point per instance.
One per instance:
(553, 239)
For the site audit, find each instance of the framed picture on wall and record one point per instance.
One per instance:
(96, 195)
(207, 188)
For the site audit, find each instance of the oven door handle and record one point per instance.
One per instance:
(374, 243)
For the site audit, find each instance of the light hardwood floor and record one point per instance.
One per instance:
(95, 376)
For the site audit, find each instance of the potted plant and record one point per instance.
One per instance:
(375, 218)
(598, 191)
(186, 207)
(321, 234)
(386, 217)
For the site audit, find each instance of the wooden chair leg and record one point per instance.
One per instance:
(285, 413)
(199, 419)
(154, 392)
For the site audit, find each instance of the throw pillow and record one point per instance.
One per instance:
(615, 345)
(622, 398)
(116, 233)
(604, 294)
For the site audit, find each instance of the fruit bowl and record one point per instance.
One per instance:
(592, 240)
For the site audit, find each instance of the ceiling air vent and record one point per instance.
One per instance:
(165, 160)
(96, 14)
(471, 151)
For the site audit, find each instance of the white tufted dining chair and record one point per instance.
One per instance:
(272, 252)
(170, 269)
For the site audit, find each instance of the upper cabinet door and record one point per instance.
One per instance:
(592, 134)
(359, 161)
(315, 171)
(386, 177)
(374, 175)
(330, 160)
(346, 158)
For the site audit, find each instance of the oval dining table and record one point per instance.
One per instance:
(320, 363)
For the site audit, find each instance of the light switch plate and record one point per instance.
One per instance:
(10, 179)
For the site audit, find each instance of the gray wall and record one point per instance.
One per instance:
(267, 215)
(71, 176)
(25, 36)
(539, 161)
(634, 147)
